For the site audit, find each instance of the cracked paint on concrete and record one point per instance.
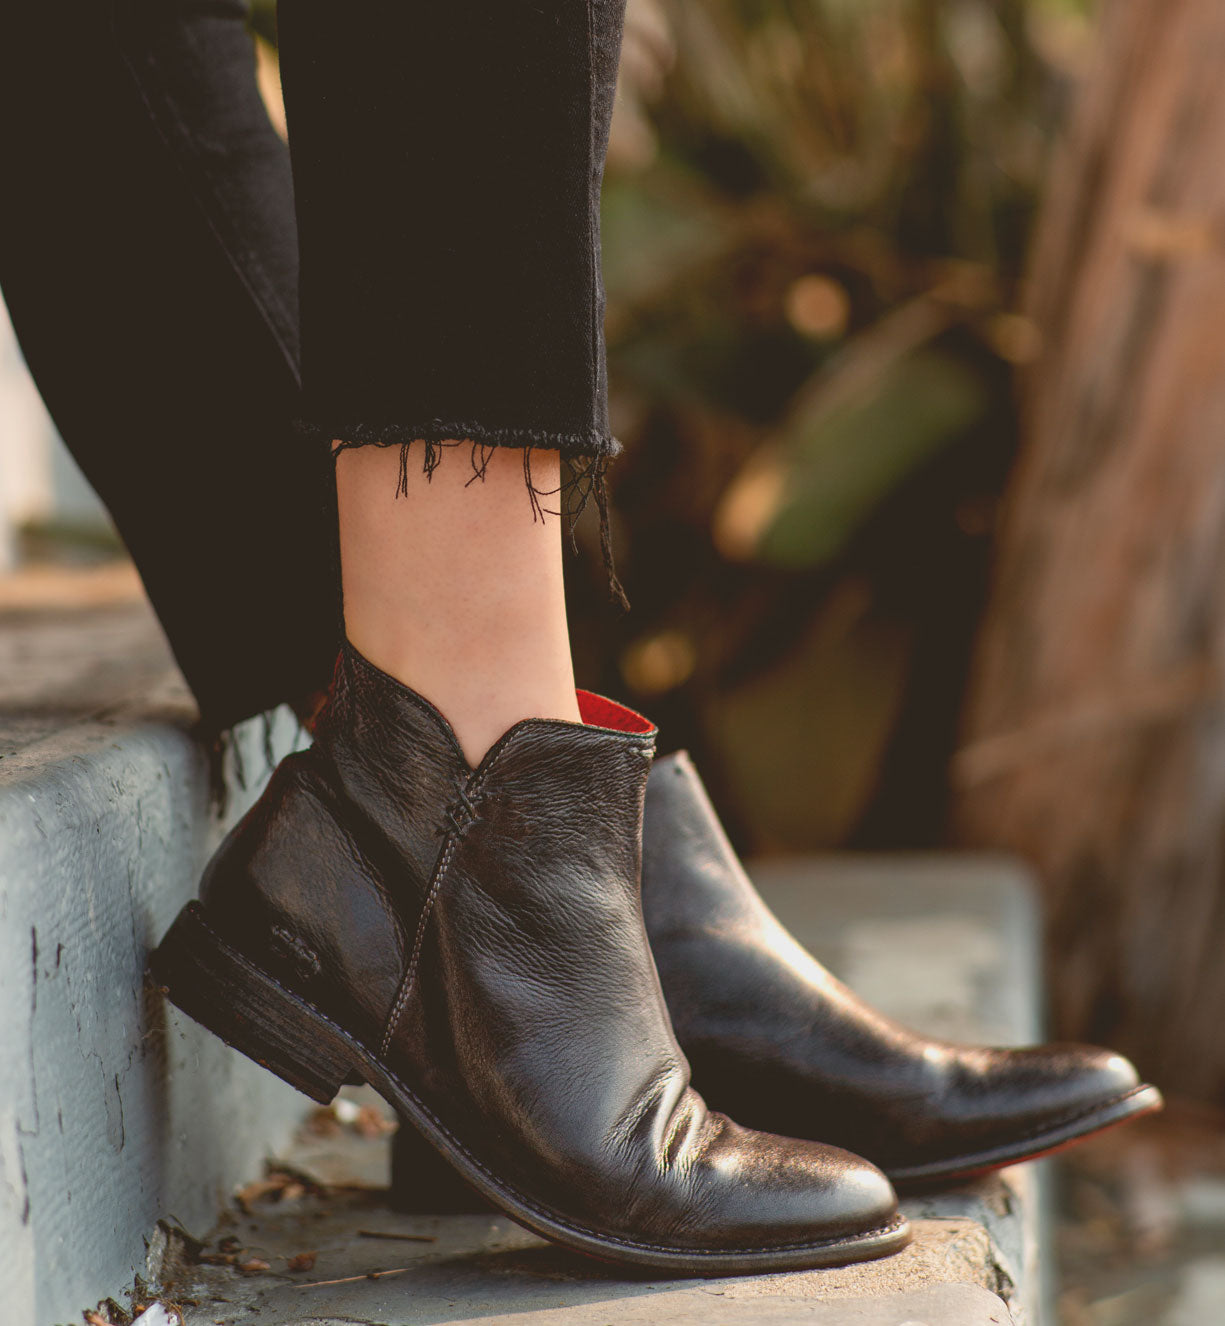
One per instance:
(112, 1112)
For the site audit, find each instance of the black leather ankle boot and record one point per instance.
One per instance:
(774, 1037)
(778, 1042)
(471, 943)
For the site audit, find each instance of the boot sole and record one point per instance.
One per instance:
(1053, 1137)
(437, 1195)
(224, 991)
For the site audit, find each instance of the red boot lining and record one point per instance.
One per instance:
(596, 711)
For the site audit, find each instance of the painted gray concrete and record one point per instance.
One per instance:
(113, 1111)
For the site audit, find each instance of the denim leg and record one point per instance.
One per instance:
(447, 163)
(148, 256)
(148, 259)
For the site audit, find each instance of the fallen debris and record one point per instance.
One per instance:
(322, 1122)
(280, 1184)
(108, 1313)
(366, 1120)
(371, 1122)
(152, 1314)
(354, 1279)
(391, 1234)
(159, 1314)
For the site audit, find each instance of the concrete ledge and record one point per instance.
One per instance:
(113, 1113)
(484, 1269)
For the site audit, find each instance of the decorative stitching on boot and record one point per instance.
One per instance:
(461, 815)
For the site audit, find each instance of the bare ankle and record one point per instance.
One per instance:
(454, 587)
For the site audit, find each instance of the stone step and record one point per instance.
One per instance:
(113, 1113)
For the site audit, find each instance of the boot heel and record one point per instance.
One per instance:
(223, 991)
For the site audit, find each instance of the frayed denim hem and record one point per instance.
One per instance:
(586, 455)
(348, 435)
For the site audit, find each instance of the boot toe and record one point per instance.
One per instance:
(1013, 1105)
(1103, 1073)
(1062, 1081)
(781, 1191)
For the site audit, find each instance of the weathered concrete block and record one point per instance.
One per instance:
(484, 1269)
(113, 1111)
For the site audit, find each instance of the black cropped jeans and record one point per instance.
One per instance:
(204, 324)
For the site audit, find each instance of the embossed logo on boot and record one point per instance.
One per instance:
(301, 957)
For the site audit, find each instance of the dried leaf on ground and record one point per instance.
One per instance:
(107, 1313)
(372, 1122)
(279, 1185)
(322, 1122)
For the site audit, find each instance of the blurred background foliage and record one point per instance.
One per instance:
(816, 222)
(816, 216)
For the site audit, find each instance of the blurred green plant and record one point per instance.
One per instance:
(841, 462)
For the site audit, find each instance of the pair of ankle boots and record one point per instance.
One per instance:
(526, 971)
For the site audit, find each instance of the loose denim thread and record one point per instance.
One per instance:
(588, 481)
